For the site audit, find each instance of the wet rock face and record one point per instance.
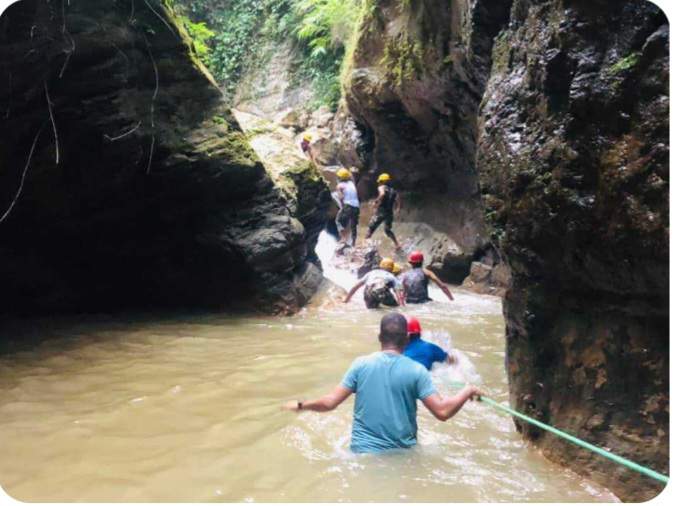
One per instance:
(156, 198)
(419, 71)
(573, 160)
(267, 87)
(303, 186)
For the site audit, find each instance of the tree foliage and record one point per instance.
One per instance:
(201, 36)
(228, 32)
(326, 24)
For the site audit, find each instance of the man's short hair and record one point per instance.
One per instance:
(393, 329)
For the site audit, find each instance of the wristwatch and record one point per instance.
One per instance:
(299, 405)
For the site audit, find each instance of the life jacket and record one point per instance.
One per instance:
(416, 283)
(305, 146)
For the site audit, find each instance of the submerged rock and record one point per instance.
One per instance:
(141, 192)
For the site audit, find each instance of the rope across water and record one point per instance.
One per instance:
(573, 439)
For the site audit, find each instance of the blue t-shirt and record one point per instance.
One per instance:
(387, 386)
(424, 352)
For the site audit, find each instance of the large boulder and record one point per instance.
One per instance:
(128, 183)
(299, 180)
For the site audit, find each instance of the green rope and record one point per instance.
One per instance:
(583, 444)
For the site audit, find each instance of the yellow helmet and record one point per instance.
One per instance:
(308, 137)
(344, 174)
(397, 269)
(384, 178)
(387, 264)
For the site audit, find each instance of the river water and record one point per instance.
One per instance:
(187, 408)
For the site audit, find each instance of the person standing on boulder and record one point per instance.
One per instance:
(381, 287)
(386, 203)
(416, 281)
(387, 386)
(306, 147)
(349, 211)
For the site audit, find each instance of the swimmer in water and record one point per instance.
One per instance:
(387, 386)
(421, 351)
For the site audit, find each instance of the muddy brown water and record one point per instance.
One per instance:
(187, 408)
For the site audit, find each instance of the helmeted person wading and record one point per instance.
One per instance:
(381, 287)
(387, 386)
(421, 351)
(416, 281)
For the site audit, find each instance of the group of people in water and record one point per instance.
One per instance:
(387, 385)
(386, 285)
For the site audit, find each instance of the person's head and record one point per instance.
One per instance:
(396, 270)
(383, 179)
(416, 259)
(308, 137)
(387, 264)
(343, 175)
(393, 331)
(414, 328)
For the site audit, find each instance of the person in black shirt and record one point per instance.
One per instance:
(384, 205)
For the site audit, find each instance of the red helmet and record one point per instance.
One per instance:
(414, 326)
(416, 257)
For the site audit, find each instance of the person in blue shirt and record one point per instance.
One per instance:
(421, 351)
(387, 386)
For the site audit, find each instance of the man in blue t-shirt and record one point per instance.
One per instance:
(387, 386)
(422, 351)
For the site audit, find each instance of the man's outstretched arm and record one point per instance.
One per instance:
(444, 408)
(325, 403)
(439, 283)
(353, 290)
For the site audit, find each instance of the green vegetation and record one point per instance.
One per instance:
(326, 25)
(403, 59)
(228, 34)
(625, 63)
(201, 35)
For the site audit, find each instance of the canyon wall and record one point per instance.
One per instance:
(542, 127)
(414, 84)
(574, 165)
(128, 181)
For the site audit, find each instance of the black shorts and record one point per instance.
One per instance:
(381, 217)
(348, 216)
(374, 296)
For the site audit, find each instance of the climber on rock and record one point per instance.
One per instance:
(381, 287)
(306, 146)
(385, 205)
(416, 281)
(349, 208)
(422, 351)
